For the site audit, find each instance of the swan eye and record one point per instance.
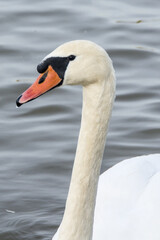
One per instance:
(71, 57)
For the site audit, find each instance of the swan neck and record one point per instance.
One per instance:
(77, 223)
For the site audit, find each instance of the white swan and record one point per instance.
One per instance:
(128, 197)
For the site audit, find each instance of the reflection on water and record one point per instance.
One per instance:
(38, 141)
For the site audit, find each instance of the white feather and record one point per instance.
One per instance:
(128, 197)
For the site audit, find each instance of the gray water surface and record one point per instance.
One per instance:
(38, 140)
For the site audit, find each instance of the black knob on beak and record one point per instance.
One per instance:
(42, 67)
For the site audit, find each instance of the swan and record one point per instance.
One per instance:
(124, 202)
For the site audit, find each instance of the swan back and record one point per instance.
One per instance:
(129, 193)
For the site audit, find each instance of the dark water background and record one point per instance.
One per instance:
(38, 141)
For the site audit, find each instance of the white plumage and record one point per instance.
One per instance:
(127, 203)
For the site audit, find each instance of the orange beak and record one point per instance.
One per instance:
(45, 82)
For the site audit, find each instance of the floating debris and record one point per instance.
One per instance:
(148, 49)
(139, 21)
(24, 80)
(9, 211)
(125, 21)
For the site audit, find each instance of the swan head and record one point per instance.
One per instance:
(77, 62)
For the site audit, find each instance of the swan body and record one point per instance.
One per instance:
(128, 201)
(125, 203)
(129, 193)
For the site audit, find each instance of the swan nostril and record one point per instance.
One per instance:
(42, 79)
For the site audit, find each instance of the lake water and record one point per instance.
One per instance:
(38, 140)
